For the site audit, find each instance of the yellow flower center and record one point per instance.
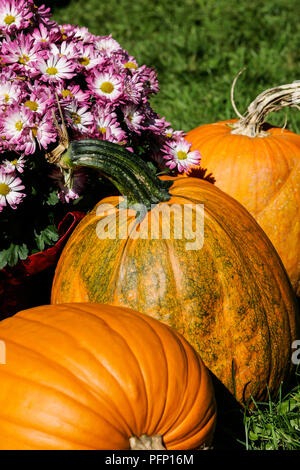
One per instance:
(23, 59)
(9, 19)
(84, 61)
(34, 131)
(66, 93)
(181, 155)
(4, 189)
(102, 130)
(31, 105)
(107, 87)
(76, 118)
(51, 70)
(14, 162)
(64, 36)
(19, 125)
(130, 65)
(6, 97)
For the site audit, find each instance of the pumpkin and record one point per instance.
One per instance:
(259, 165)
(92, 376)
(228, 295)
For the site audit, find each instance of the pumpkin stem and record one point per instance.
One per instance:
(128, 172)
(268, 101)
(145, 442)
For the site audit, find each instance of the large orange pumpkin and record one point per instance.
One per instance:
(230, 298)
(91, 376)
(259, 166)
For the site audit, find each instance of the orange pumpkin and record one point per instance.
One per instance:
(259, 165)
(230, 297)
(91, 376)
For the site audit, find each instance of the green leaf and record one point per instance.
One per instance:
(46, 237)
(12, 255)
(52, 198)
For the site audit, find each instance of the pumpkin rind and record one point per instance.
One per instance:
(231, 299)
(90, 376)
(263, 174)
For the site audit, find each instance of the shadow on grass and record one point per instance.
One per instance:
(230, 427)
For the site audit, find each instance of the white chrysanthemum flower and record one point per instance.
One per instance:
(178, 155)
(107, 45)
(10, 187)
(106, 85)
(80, 116)
(56, 68)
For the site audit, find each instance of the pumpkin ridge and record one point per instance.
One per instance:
(16, 424)
(138, 365)
(87, 386)
(183, 417)
(58, 392)
(275, 195)
(117, 271)
(178, 444)
(269, 152)
(59, 367)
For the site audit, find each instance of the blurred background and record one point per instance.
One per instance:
(197, 47)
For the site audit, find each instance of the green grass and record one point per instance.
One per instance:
(274, 425)
(198, 46)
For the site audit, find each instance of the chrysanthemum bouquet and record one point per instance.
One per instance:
(53, 76)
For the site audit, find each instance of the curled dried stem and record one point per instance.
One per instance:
(232, 93)
(268, 101)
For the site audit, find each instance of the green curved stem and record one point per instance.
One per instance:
(128, 172)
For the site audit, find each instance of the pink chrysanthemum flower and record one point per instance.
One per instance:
(10, 90)
(39, 99)
(10, 187)
(11, 166)
(88, 57)
(107, 126)
(77, 33)
(45, 132)
(133, 117)
(21, 52)
(72, 92)
(178, 155)
(129, 63)
(41, 14)
(107, 45)
(149, 79)
(55, 68)
(14, 15)
(107, 86)
(44, 37)
(16, 125)
(66, 194)
(80, 118)
(65, 49)
(134, 89)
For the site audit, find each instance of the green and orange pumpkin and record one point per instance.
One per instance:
(230, 297)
